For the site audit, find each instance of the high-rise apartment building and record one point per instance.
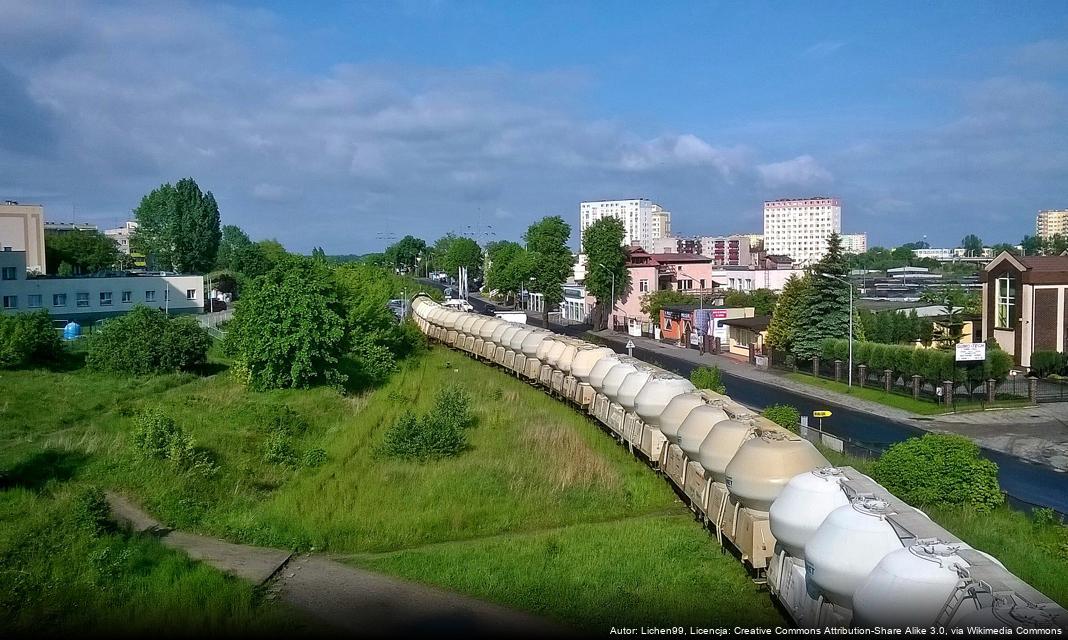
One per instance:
(22, 230)
(854, 242)
(636, 215)
(660, 222)
(800, 227)
(732, 251)
(1051, 222)
(122, 235)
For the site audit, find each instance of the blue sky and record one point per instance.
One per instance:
(346, 124)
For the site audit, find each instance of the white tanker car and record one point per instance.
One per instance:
(835, 547)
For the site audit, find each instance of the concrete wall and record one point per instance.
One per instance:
(22, 229)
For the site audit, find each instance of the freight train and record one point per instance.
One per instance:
(835, 548)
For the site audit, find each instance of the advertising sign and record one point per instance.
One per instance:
(719, 330)
(971, 352)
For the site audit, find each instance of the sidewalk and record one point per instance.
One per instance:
(1037, 434)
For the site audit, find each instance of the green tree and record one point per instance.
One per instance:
(825, 312)
(463, 252)
(1032, 245)
(404, 254)
(178, 227)
(785, 320)
(84, 252)
(1004, 246)
(233, 241)
(295, 344)
(551, 259)
(973, 245)
(509, 268)
(606, 265)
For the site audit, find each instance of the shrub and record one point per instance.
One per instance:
(1044, 363)
(940, 469)
(707, 378)
(284, 420)
(453, 405)
(784, 415)
(376, 363)
(426, 438)
(278, 448)
(27, 338)
(146, 341)
(158, 437)
(90, 511)
(314, 458)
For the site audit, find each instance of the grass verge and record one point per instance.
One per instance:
(897, 401)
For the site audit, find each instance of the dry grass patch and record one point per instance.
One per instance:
(575, 463)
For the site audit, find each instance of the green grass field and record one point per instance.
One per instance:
(920, 407)
(543, 512)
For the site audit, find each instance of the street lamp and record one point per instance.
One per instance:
(841, 279)
(612, 309)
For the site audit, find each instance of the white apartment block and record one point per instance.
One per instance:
(1051, 222)
(636, 215)
(854, 242)
(800, 227)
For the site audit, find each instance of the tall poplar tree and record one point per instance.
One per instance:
(606, 264)
(551, 259)
(178, 227)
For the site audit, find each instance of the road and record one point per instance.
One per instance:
(1027, 484)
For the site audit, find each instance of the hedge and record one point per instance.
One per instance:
(1044, 363)
(933, 365)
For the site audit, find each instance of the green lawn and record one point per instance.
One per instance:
(906, 403)
(542, 506)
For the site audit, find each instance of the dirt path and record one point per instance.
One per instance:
(343, 597)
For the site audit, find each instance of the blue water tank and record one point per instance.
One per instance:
(72, 330)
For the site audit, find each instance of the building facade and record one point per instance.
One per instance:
(651, 272)
(636, 215)
(121, 236)
(1025, 304)
(854, 242)
(731, 251)
(1051, 222)
(22, 230)
(660, 222)
(800, 227)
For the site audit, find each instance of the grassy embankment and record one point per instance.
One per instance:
(897, 401)
(543, 512)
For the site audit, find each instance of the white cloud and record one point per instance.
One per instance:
(823, 49)
(802, 171)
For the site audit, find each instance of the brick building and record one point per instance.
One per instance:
(1025, 304)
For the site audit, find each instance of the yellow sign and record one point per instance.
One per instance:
(821, 414)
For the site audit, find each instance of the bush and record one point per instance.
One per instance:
(1044, 363)
(376, 363)
(453, 405)
(282, 419)
(707, 378)
(278, 449)
(90, 511)
(940, 469)
(784, 415)
(28, 338)
(314, 458)
(426, 438)
(157, 437)
(146, 341)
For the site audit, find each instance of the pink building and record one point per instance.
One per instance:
(655, 271)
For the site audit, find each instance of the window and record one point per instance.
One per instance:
(105, 298)
(82, 300)
(33, 301)
(190, 294)
(127, 296)
(685, 285)
(1005, 302)
(9, 273)
(702, 283)
(11, 302)
(150, 296)
(59, 299)
(643, 285)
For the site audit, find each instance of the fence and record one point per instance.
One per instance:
(815, 435)
(213, 322)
